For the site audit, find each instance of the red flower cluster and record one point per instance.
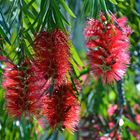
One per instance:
(62, 108)
(115, 133)
(108, 47)
(52, 56)
(28, 86)
(51, 63)
(21, 90)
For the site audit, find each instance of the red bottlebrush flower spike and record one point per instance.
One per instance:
(62, 108)
(22, 92)
(108, 47)
(52, 55)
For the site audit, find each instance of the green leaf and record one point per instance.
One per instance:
(114, 2)
(28, 37)
(95, 9)
(131, 125)
(4, 23)
(33, 24)
(69, 136)
(43, 8)
(46, 18)
(63, 18)
(67, 8)
(75, 68)
(125, 134)
(75, 55)
(60, 15)
(25, 7)
(103, 7)
(57, 17)
(4, 35)
(84, 71)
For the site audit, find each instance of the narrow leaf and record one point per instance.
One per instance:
(96, 8)
(67, 8)
(4, 35)
(114, 2)
(103, 7)
(76, 56)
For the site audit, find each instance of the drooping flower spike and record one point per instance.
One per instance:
(62, 108)
(22, 90)
(108, 44)
(52, 56)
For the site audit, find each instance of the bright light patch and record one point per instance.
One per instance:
(17, 123)
(138, 86)
(121, 122)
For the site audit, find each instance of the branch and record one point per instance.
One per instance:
(121, 98)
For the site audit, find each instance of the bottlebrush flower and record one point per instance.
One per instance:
(108, 47)
(115, 134)
(62, 108)
(22, 91)
(112, 109)
(103, 138)
(52, 55)
(137, 118)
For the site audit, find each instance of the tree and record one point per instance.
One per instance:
(55, 67)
